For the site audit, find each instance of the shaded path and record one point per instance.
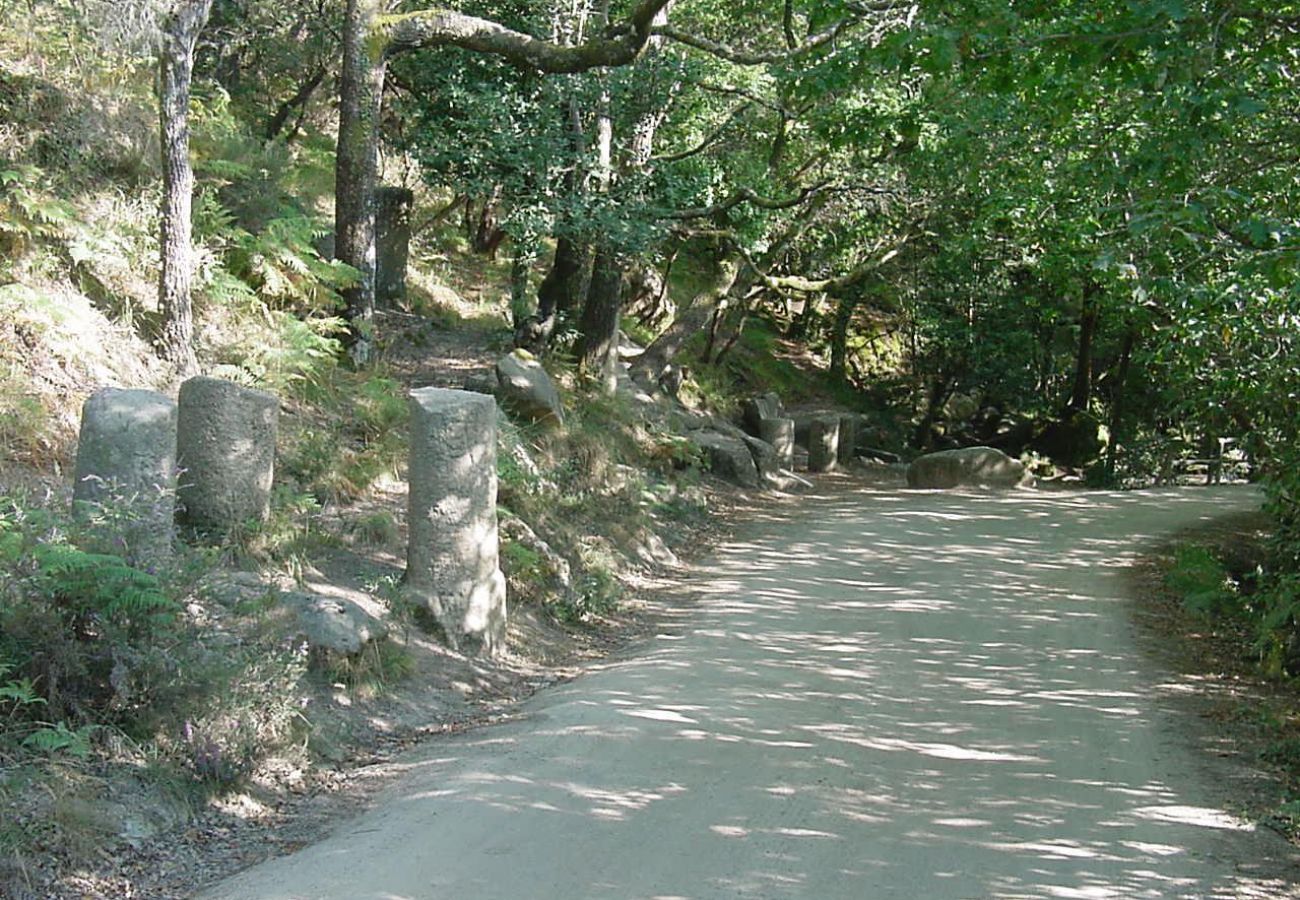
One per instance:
(887, 695)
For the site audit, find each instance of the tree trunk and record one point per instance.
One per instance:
(650, 365)
(940, 389)
(562, 286)
(361, 78)
(600, 314)
(1088, 318)
(176, 67)
(844, 310)
(355, 172)
(1117, 402)
(275, 124)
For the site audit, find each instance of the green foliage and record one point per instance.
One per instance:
(376, 529)
(380, 665)
(288, 536)
(521, 563)
(1202, 582)
(28, 213)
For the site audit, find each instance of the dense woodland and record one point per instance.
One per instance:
(1065, 229)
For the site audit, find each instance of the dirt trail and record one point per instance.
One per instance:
(889, 695)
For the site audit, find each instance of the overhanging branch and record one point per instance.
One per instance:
(620, 44)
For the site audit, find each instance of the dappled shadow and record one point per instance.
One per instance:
(891, 695)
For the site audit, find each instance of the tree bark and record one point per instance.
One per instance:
(564, 283)
(176, 67)
(275, 124)
(844, 310)
(1088, 318)
(600, 314)
(658, 356)
(356, 170)
(1117, 401)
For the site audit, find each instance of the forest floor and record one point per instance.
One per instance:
(1216, 675)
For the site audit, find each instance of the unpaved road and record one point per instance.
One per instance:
(880, 695)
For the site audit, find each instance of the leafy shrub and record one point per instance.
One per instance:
(1201, 581)
(84, 636)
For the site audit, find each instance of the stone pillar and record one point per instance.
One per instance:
(823, 443)
(848, 440)
(780, 434)
(225, 445)
(451, 558)
(392, 243)
(126, 468)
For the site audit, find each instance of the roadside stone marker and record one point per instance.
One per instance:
(225, 445)
(848, 439)
(451, 560)
(823, 443)
(126, 467)
(780, 434)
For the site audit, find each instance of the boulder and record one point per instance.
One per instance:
(755, 409)
(525, 389)
(823, 443)
(333, 624)
(965, 466)
(729, 457)
(765, 458)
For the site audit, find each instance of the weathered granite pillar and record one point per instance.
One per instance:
(392, 242)
(823, 443)
(780, 434)
(848, 439)
(225, 445)
(126, 469)
(451, 557)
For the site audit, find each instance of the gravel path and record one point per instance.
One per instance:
(887, 695)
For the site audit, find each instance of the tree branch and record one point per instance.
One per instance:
(707, 142)
(620, 44)
(749, 195)
(828, 285)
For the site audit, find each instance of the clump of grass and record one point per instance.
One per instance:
(1201, 581)
(376, 529)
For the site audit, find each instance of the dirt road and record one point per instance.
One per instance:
(881, 695)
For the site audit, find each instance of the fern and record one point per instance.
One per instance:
(59, 738)
(87, 586)
(27, 214)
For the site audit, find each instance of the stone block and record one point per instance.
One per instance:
(823, 443)
(848, 439)
(452, 566)
(126, 466)
(225, 446)
(780, 434)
